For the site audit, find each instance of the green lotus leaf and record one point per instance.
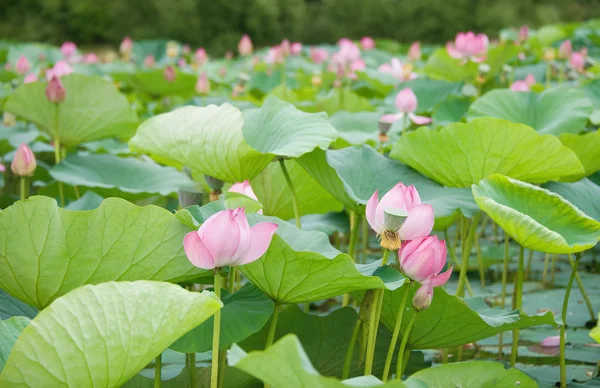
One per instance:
(584, 194)
(442, 66)
(340, 100)
(12, 307)
(10, 330)
(554, 111)
(460, 155)
(587, 149)
(48, 251)
(102, 335)
(356, 128)
(536, 218)
(93, 109)
(450, 111)
(429, 92)
(154, 83)
(208, 140)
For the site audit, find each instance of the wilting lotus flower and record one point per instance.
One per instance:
(399, 215)
(90, 58)
(22, 65)
(398, 70)
(126, 45)
(60, 69)
(55, 91)
(246, 189)
(68, 49)
(201, 56)
(29, 78)
(170, 74)
(203, 84)
(318, 55)
(406, 103)
(23, 163)
(367, 43)
(414, 52)
(227, 239)
(578, 62)
(551, 341)
(245, 45)
(149, 61)
(565, 49)
(468, 46)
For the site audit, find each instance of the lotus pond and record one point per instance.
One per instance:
(365, 214)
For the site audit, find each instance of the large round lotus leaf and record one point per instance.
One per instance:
(279, 128)
(207, 140)
(554, 111)
(441, 65)
(93, 109)
(587, 149)
(102, 335)
(534, 217)
(584, 194)
(47, 251)
(154, 83)
(10, 330)
(356, 128)
(429, 92)
(460, 155)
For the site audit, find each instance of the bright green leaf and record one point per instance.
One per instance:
(584, 194)
(10, 330)
(587, 149)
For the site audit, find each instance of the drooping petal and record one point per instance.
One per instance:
(196, 251)
(260, 239)
(392, 199)
(418, 223)
(221, 236)
(371, 212)
(551, 341)
(441, 279)
(391, 117)
(419, 120)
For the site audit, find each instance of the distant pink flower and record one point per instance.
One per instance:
(296, 48)
(530, 79)
(520, 86)
(22, 65)
(201, 56)
(23, 163)
(90, 58)
(468, 46)
(61, 68)
(68, 49)
(565, 49)
(406, 103)
(55, 91)
(318, 55)
(223, 71)
(523, 34)
(551, 341)
(275, 55)
(414, 52)
(285, 47)
(578, 62)
(245, 46)
(226, 239)
(149, 61)
(170, 73)
(181, 63)
(348, 52)
(203, 84)
(186, 49)
(29, 78)
(367, 43)
(398, 70)
(521, 56)
(126, 45)
(246, 189)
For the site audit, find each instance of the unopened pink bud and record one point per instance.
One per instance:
(170, 73)
(23, 65)
(23, 163)
(55, 91)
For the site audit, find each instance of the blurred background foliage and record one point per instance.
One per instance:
(218, 24)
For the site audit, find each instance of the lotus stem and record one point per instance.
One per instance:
(548, 75)
(57, 159)
(23, 188)
(400, 363)
(518, 302)
(529, 263)
(214, 375)
(232, 277)
(192, 361)
(466, 251)
(372, 333)
(292, 190)
(455, 261)
(561, 73)
(365, 239)
(354, 225)
(480, 263)
(396, 333)
(157, 371)
(545, 271)
(553, 270)
(563, 366)
(386, 254)
(584, 293)
(272, 329)
(405, 124)
(505, 268)
(350, 350)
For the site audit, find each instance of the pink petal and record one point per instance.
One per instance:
(441, 279)
(440, 255)
(244, 244)
(551, 341)
(411, 196)
(385, 68)
(453, 52)
(221, 236)
(418, 223)
(423, 297)
(406, 101)
(196, 251)
(260, 239)
(392, 199)
(419, 120)
(391, 117)
(371, 212)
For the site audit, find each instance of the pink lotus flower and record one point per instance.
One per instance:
(246, 189)
(565, 49)
(468, 46)
(419, 217)
(367, 43)
(245, 45)
(149, 61)
(22, 65)
(186, 49)
(126, 45)
(55, 91)
(523, 34)
(170, 73)
(578, 62)
(181, 63)
(348, 52)
(551, 341)
(414, 52)
(203, 84)
(398, 70)
(318, 55)
(296, 48)
(285, 48)
(406, 103)
(520, 86)
(23, 163)
(227, 239)
(90, 58)
(274, 56)
(29, 78)
(68, 49)
(530, 79)
(61, 68)
(201, 57)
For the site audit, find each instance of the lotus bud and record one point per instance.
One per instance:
(565, 49)
(203, 84)
(9, 120)
(23, 163)
(414, 52)
(68, 49)
(523, 33)
(367, 43)
(245, 47)
(244, 188)
(149, 61)
(423, 298)
(201, 56)
(551, 341)
(170, 73)
(126, 45)
(296, 48)
(318, 55)
(22, 65)
(29, 78)
(55, 91)
(90, 58)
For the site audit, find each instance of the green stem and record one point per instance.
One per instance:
(192, 361)
(292, 190)
(518, 305)
(563, 367)
(480, 263)
(561, 73)
(545, 271)
(157, 371)
(548, 75)
(365, 239)
(495, 232)
(405, 124)
(372, 333)
(455, 261)
(271, 334)
(57, 159)
(505, 268)
(460, 291)
(386, 254)
(23, 192)
(350, 350)
(529, 264)
(396, 333)
(553, 270)
(585, 295)
(400, 362)
(232, 277)
(214, 375)
(354, 225)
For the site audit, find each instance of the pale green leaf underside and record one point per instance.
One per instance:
(460, 155)
(93, 109)
(10, 330)
(46, 251)
(207, 140)
(535, 217)
(102, 335)
(584, 194)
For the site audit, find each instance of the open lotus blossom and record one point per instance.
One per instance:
(423, 260)
(398, 70)
(523, 85)
(201, 57)
(468, 46)
(578, 61)
(318, 55)
(226, 238)
(170, 73)
(246, 189)
(367, 43)
(29, 78)
(55, 91)
(203, 84)
(296, 48)
(405, 203)
(414, 52)
(68, 49)
(245, 46)
(551, 341)
(126, 45)
(406, 103)
(565, 49)
(90, 58)
(61, 68)
(23, 163)
(23, 65)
